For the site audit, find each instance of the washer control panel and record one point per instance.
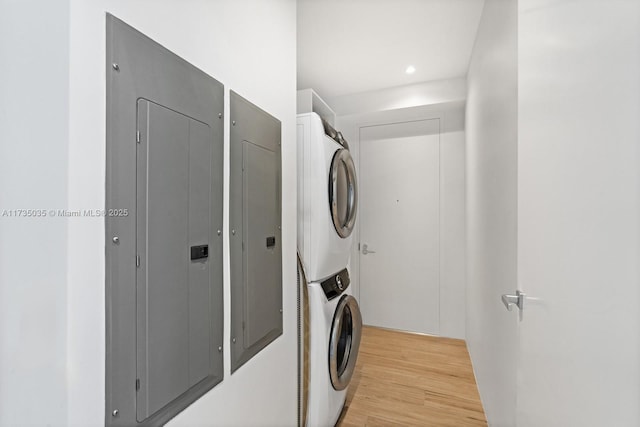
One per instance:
(336, 284)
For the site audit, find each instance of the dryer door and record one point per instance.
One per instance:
(343, 192)
(346, 331)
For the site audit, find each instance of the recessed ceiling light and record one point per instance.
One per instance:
(410, 69)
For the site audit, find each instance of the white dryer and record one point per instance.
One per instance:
(335, 332)
(327, 197)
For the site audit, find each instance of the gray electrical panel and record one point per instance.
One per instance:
(163, 230)
(255, 225)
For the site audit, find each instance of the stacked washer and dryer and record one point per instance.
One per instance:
(327, 205)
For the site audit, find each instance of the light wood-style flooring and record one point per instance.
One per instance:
(405, 379)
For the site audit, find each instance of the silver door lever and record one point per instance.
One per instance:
(510, 300)
(365, 250)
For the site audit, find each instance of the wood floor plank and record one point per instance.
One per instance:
(404, 379)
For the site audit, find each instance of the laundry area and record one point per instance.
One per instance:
(317, 213)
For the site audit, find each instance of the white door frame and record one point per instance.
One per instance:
(452, 243)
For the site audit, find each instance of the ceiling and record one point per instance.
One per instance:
(350, 46)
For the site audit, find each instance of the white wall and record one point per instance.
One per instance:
(249, 46)
(452, 202)
(52, 121)
(400, 97)
(579, 212)
(453, 237)
(491, 129)
(34, 74)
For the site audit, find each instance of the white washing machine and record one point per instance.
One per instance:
(327, 198)
(335, 332)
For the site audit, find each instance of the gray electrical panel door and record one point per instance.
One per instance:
(173, 215)
(262, 259)
(255, 221)
(163, 224)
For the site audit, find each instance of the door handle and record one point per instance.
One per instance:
(365, 250)
(510, 300)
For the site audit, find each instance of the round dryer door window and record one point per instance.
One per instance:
(346, 331)
(343, 192)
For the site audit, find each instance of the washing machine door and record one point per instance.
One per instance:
(343, 192)
(346, 331)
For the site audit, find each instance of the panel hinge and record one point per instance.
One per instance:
(137, 384)
(137, 260)
(138, 136)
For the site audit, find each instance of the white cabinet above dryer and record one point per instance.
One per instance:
(308, 101)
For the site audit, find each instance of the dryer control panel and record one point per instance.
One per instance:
(336, 284)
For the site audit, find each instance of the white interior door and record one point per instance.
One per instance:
(579, 213)
(399, 225)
